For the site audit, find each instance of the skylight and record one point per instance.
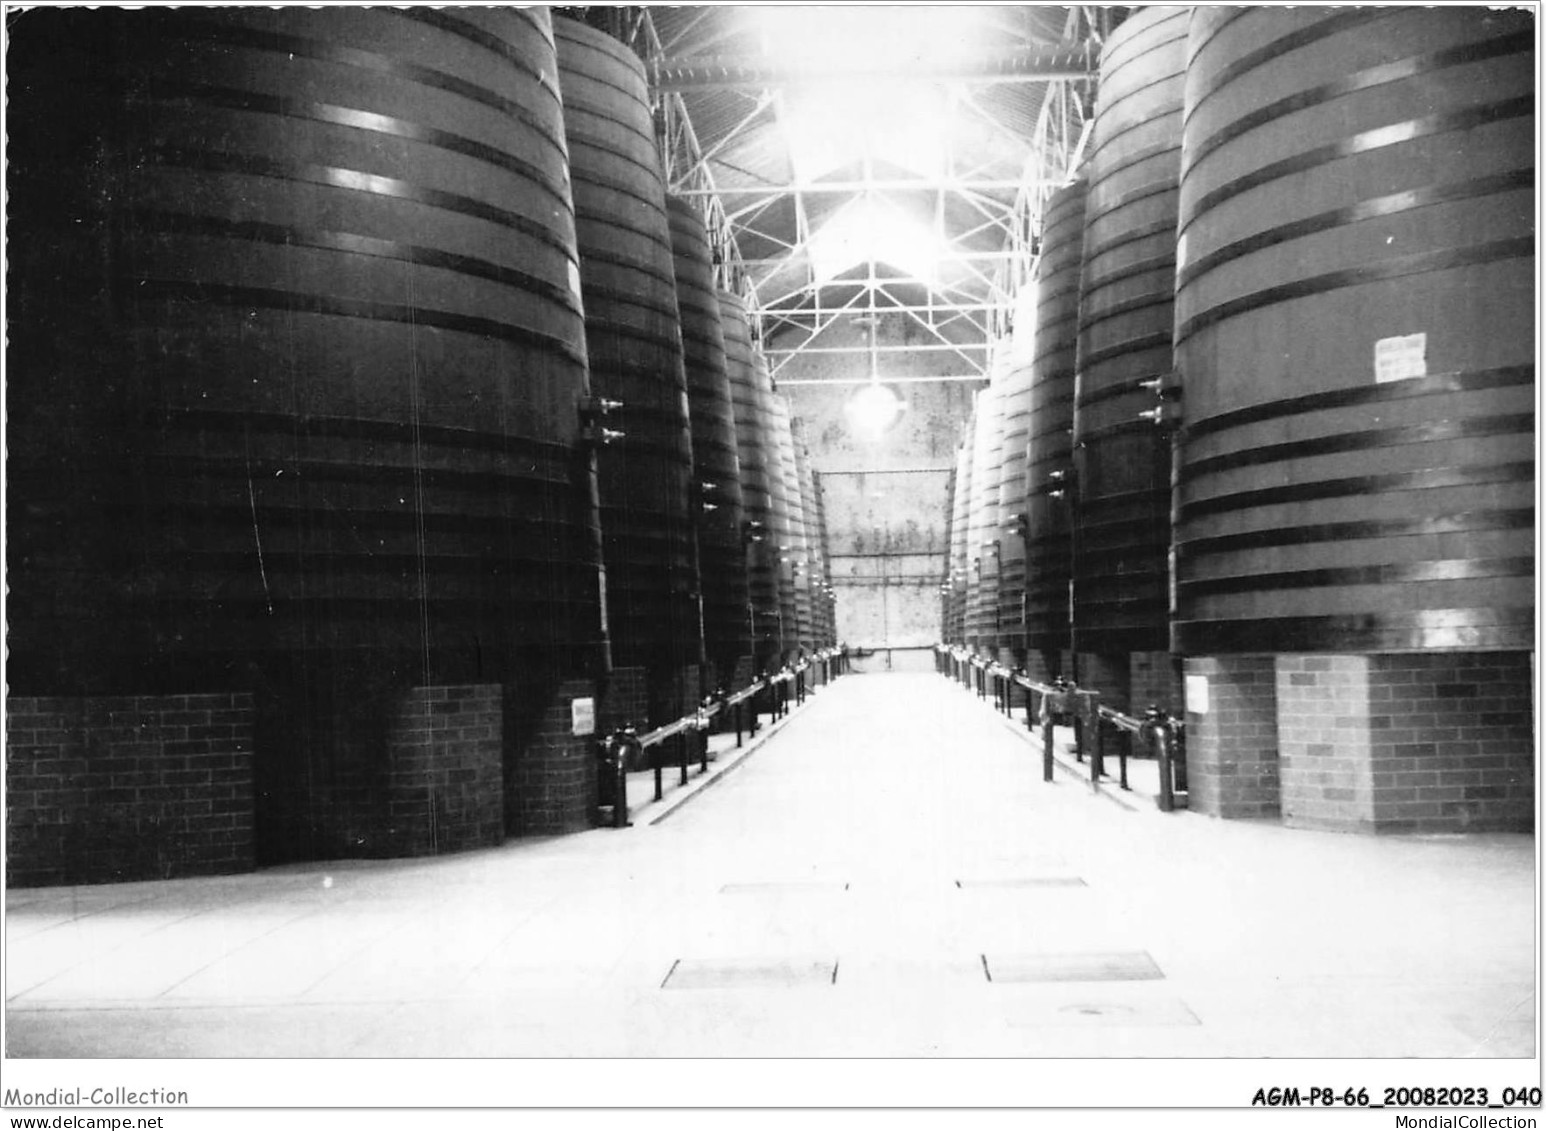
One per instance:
(872, 116)
(873, 229)
(838, 124)
(866, 37)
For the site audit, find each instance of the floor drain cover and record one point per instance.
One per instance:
(1118, 966)
(1024, 882)
(785, 887)
(1153, 1012)
(751, 973)
(1091, 1009)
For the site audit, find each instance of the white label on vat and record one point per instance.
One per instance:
(582, 716)
(1197, 694)
(1397, 359)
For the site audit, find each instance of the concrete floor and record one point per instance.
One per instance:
(886, 875)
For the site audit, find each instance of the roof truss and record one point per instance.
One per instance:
(708, 67)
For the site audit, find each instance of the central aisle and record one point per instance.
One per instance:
(834, 896)
(887, 876)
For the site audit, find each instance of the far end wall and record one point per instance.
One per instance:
(885, 494)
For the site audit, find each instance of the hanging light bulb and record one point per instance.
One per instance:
(874, 409)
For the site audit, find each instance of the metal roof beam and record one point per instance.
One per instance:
(745, 230)
(979, 327)
(787, 356)
(921, 184)
(701, 48)
(993, 120)
(881, 280)
(955, 310)
(911, 380)
(946, 257)
(897, 307)
(863, 347)
(945, 300)
(762, 104)
(752, 210)
(947, 342)
(692, 24)
(797, 252)
(730, 72)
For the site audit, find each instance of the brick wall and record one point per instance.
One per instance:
(1323, 741)
(1111, 675)
(674, 693)
(683, 694)
(627, 700)
(1042, 665)
(1452, 742)
(551, 783)
(1232, 749)
(445, 776)
(115, 789)
(1430, 742)
(1154, 677)
(648, 699)
(1011, 659)
(1038, 665)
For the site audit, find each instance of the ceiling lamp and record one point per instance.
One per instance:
(874, 410)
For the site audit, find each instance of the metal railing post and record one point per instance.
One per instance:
(1046, 741)
(1167, 797)
(617, 749)
(1078, 725)
(620, 798)
(1156, 729)
(1122, 761)
(1177, 732)
(1090, 702)
(1096, 752)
